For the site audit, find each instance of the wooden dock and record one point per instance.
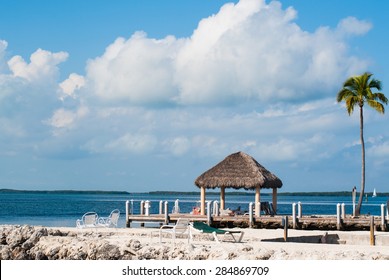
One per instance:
(340, 221)
(269, 222)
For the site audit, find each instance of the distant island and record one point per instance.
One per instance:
(63, 191)
(339, 193)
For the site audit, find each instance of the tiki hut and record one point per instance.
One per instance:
(238, 170)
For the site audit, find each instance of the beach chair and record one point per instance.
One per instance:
(204, 228)
(111, 220)
(88, 220)
(238, 211)
(181, 228)
(226, 212)
(268, 208)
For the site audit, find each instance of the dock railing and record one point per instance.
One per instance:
(214, 216)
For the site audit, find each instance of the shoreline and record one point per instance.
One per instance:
(189, 193)
(63, 243)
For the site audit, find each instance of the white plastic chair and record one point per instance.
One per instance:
(111, 220)
(88, 220)
(180, 228)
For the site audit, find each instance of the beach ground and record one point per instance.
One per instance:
(144, 243)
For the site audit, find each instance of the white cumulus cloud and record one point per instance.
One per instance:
(42, 66)
(71, 84)
(138, 70)
(249, 51)
(66, 118)
(380, 150)
(132, 143)
(353, 26)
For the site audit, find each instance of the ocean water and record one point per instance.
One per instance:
(63, 209)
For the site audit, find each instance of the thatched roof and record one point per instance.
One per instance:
(238, 170)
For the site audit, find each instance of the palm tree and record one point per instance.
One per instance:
(357, 91)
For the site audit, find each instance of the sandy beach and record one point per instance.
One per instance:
(26, 242)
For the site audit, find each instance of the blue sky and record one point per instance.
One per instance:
(147, 95)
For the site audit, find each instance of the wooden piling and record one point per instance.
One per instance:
(215, 209)
(294, 215)
(338, 218)
(300, 210)
(372, 238)
(127, 213)
(166, 212)
(383, 222)
(251, 218)
(209, 221)
(286, 228)
(160, 207)
(142, 207)
(142, 211)
(128, 210)
(202, 200)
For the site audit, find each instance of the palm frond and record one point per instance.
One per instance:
(350, 104)
(349, 83)
(375, 84)
(381, 97)
(344, 94)
(357, 90)
(379, 107)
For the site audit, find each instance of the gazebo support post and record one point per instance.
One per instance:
(202, 200)
(275, 199)
(222, 198)
(257, 201)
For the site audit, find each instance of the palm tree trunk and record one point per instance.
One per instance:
(358, 209)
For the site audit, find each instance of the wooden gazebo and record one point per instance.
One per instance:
(238, 170)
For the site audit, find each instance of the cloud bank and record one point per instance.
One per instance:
(248, 78)
(247, 51)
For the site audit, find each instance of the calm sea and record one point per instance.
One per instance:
(63, 209)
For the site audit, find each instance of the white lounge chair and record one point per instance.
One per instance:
(111, 220)
(88, 220)
(181, 228)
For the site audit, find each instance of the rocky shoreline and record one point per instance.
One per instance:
(42, 243)
(23, 243)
